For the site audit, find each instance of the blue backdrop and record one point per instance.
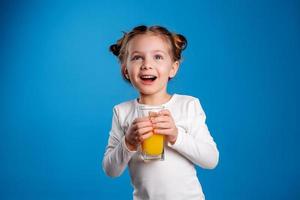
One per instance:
(59, 84)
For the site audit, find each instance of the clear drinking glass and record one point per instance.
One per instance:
(153, 147)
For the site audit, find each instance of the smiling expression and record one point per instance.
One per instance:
(149, 64)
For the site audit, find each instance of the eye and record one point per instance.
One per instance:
(136, 57)
(158, 57)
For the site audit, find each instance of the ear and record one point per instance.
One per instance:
(174, 69)
(125, 71)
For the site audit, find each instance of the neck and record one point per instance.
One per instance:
(154, 99)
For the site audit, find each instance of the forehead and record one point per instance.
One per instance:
(148, 42)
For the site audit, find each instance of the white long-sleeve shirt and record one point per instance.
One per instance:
(175, 177)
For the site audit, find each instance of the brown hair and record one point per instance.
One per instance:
(177, 42)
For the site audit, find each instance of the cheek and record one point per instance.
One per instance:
(165, 70)
(132, 71)
(133, 65)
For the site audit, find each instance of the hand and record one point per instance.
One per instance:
(139, 130)
(163, 124)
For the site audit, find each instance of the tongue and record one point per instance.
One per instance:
(148, 80)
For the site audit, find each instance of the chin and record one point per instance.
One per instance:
(147, 92)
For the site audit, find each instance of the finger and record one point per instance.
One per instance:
(160, 119)
(142, 131)
(145, 136)
(153, 114)
(165, 112)
(163, 131)
(143, 124)
(162, 125)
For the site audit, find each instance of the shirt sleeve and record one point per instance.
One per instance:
(196, 143)
(117, 155)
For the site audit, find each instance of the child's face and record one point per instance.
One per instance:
(149, 64)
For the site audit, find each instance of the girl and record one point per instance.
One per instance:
(149, 58)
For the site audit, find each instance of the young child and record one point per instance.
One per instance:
(149, 58)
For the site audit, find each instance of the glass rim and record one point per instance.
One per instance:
(148, 107)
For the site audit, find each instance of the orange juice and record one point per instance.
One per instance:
(154, 145)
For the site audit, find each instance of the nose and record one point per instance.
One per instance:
(146, 65)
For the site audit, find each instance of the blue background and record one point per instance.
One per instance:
(59, 84)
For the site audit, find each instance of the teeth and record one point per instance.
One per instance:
(148, 76)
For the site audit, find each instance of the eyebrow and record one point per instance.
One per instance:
(154, 51)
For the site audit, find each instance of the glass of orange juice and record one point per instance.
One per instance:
(153, 147)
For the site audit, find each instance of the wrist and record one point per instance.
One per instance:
(130, 146)
(173, 138)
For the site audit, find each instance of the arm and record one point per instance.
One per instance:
(197, 145)
(117, 155)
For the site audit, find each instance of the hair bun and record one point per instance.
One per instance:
(180, 42)
(115, 49)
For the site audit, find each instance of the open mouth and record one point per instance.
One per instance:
(148, 78)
